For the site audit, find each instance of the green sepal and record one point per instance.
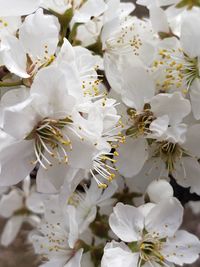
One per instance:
(96, 47)
(72, 35)
(131, 131)
(188, 3)
(133, 246)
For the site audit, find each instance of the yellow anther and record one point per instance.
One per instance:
(116, 153)
(102, 186)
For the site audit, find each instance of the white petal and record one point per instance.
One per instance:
(159, 126)
(126, 222)
(173, 105)
(187, 174)
(72, 179)
(195, 98)
(10, 25)
(33, 220)
(59, 6)
(138, 86)
(154, 168)
(165, 218)
(73, 225)
(108, 193)
(154, 264)
(192, 139)
(53, 210)
(10, 203)
(133, 154)
(91, 8)
(50, 181)
(86, 217)
(34, 203)
(11, 230)
(112, 66)
(13, 56)
(39, 33)
(144, 2)
(112, 10)
(15, 161)
(21, 114)
(81, 148)
(190, 35)
(176, 133)
(126, 9)
(146, 208)
(118, 255)
(182, 248)
(159, 190)
(15, 96)
(53, 100)
(26, 185)
(19, 8)
(76, 260)
(158, 19)
(167, 2)
(53, 263)
(66, 53)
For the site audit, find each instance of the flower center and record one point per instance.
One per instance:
(127, 40)
(50, 138)
(141, 121)
(150, 250)
(32, 66)
(169, 153)
(177, 70)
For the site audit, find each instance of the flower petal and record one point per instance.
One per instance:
(10, 203)
(182, 248)
(187, 174)
(190, 35)
(39, 35)
(118, 255)
(91, 8)
(173, 105)
(13, 56)
(165, 218)
(139, 87)
(11, 230)
(76, 260)
(159, 190)
(192, 139)
(126, 222)
(18, 8)
(20, 154)
(133, 154)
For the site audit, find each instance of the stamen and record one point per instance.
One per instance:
(49, 137)
(103, 169)
(140, 121)
(169, 153)
(179, 69)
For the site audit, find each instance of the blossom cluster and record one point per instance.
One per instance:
(99, 111)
